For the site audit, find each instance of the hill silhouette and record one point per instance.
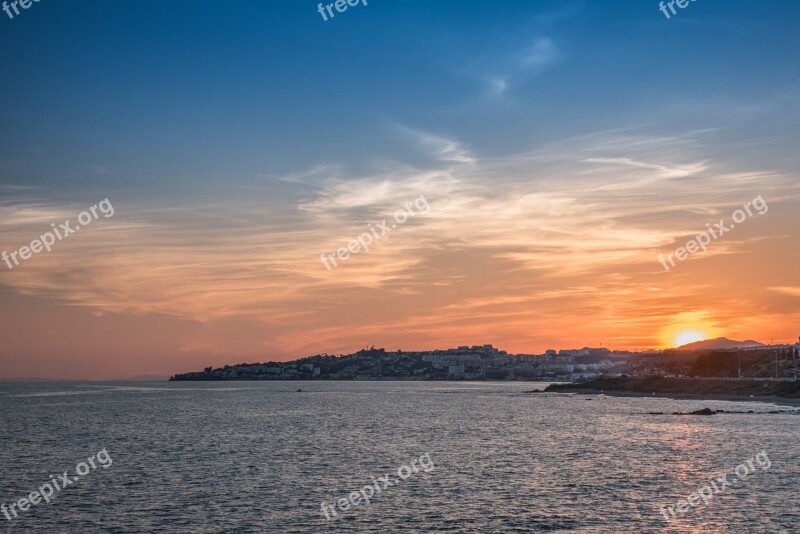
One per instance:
(720, 343)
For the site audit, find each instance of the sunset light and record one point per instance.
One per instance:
(688, 336)
(511, 207)
(395, 265)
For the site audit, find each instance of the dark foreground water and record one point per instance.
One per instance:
(262, 457)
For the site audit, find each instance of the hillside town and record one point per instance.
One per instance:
(485, 362)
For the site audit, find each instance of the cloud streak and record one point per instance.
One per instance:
(522, 66)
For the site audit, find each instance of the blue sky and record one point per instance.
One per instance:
(561, 145)
(203, 92)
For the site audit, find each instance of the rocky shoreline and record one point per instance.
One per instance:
(683, 388)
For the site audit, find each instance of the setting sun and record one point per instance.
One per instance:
(688, 336)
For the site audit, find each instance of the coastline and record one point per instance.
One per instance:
(781, 393)
(771, 399)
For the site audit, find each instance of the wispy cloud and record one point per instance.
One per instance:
(661, 171)
(438, 147)
(793, 291)
(521, 66)
(542, 229)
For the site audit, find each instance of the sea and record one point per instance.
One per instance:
(480, 457)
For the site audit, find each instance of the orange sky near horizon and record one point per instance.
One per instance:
(553, 248)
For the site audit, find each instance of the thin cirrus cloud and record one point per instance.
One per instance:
(660, 171)
(791, 291)
(521, 67)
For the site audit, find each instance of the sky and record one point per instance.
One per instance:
(554, 150)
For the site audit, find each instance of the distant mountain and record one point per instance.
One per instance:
(721, 343)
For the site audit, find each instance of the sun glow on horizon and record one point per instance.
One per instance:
(688, 336)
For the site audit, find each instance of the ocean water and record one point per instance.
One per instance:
(262, 457)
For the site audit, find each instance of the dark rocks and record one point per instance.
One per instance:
(704, 411)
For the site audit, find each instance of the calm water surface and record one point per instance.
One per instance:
(261, 457)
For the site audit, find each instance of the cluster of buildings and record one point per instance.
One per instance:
(478, 362)
(488, 362)
(256, 371)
